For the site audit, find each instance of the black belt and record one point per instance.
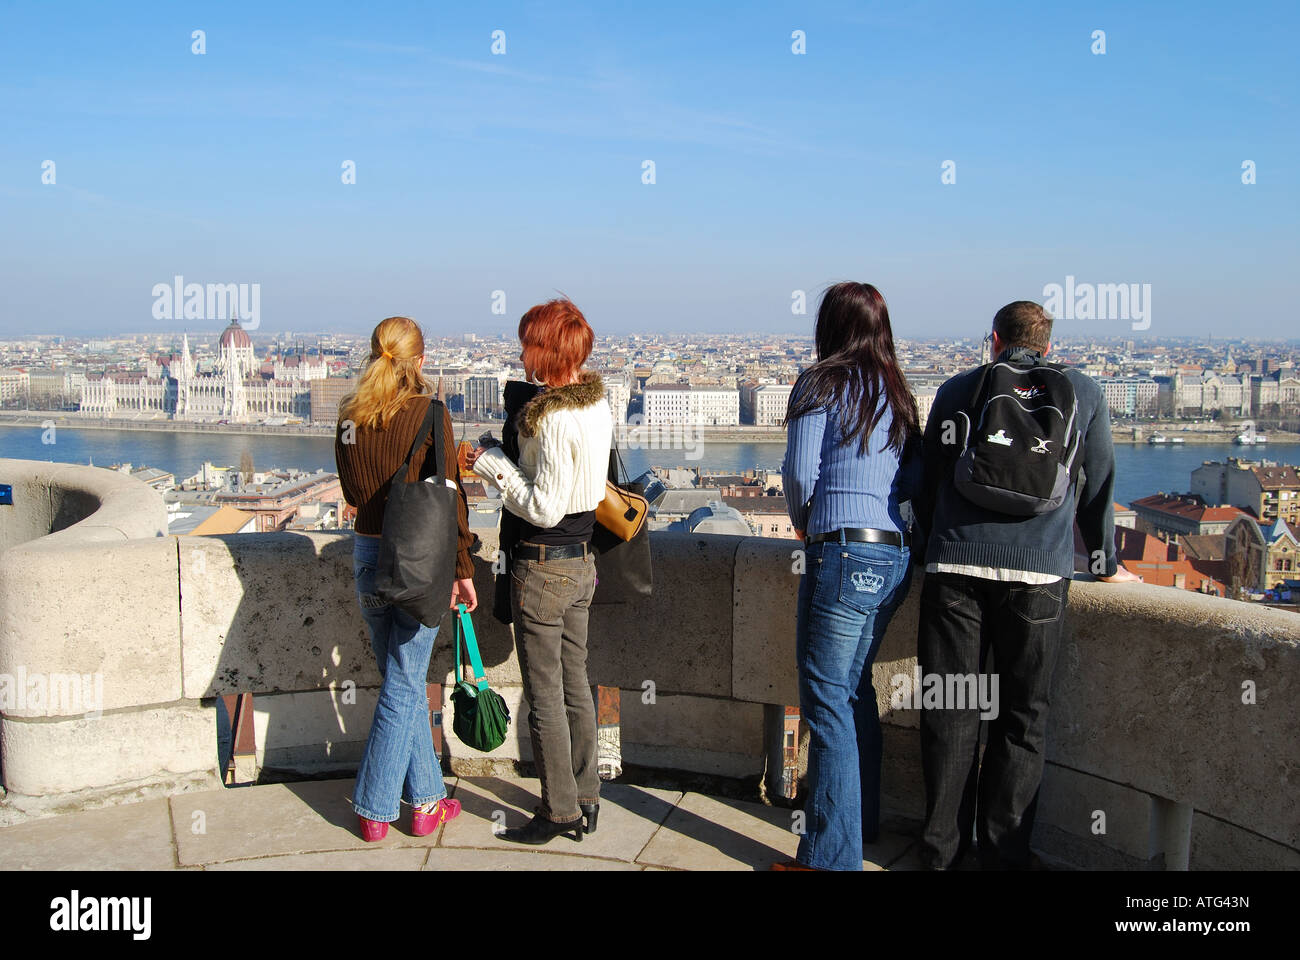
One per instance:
(543, 551)
(860, 535)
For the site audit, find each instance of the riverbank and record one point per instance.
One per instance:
(1142, 435)
(648, 436)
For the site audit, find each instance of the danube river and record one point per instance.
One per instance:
(1142, 469)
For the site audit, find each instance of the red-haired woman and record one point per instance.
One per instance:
(378, 423)
(565, 433)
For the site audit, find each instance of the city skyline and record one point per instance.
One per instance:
(792, 147)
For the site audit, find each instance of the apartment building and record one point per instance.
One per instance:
(483, 395)
(682, 403)
(14, 385)
(618, 392)
(1131, 396)
(1270, 491)
(325, 395)
(764, 404)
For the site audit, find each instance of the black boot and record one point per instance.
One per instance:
(541, 830)
(590, 811)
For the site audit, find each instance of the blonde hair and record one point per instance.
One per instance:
(391, 376)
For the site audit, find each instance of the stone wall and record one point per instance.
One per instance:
(1154, 758)
(102, 505)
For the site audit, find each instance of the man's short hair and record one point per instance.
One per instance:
(1023, 324)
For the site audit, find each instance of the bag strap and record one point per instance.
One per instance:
(421, 435)
(465, 633)
(616, 470)
(973, 411)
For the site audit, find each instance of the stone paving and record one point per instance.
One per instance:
(311, 826)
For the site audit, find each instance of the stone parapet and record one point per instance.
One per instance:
(1173, 713)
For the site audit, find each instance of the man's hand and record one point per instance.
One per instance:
(462, 591)
(800, 535)
(1122, 575)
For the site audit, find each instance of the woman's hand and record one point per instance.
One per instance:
(1122, 575)
(485, 442)
(462, 591)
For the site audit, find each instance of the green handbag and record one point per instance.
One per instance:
(481, 715)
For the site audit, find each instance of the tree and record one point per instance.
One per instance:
(1270, 416)
(246, 466)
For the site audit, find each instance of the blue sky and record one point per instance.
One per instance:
(523, 172)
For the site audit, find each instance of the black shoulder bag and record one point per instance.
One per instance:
(417, 552)
(623, 568)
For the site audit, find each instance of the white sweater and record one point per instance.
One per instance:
(564, 444)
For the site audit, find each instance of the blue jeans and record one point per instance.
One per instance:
(399, 760)
(847, 596)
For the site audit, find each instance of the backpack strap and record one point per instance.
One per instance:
(971, 412)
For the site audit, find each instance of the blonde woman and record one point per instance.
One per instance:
(378, 423)
(565, 433)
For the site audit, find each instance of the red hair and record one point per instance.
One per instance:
(557, 340)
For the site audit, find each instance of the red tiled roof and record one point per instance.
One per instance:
(1194, 574)
(1188, 506)
(1132, 546)
(1221, 513)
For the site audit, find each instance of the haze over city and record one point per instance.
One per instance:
(956, 158)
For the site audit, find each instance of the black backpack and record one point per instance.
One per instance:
(1020, 439)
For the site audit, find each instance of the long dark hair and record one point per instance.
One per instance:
(856, 366)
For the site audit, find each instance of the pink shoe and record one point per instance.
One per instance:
(424, 820)
(372, 831)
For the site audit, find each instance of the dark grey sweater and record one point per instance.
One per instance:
(960, 532)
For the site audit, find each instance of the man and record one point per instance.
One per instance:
(998, 574)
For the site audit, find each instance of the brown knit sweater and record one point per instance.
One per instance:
(367, 465)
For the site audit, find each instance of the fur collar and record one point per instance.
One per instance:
(571, 396)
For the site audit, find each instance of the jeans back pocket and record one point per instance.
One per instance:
(1036, 604)
(864, 582)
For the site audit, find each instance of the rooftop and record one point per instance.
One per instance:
(1277, 477)
(1188, 506)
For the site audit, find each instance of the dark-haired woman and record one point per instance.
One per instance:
(850, 419)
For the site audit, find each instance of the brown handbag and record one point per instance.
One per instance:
(622, 512)
(621, 539)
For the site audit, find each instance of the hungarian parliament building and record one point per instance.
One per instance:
(240, 390)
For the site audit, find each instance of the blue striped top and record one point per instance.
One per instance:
(846, 489)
